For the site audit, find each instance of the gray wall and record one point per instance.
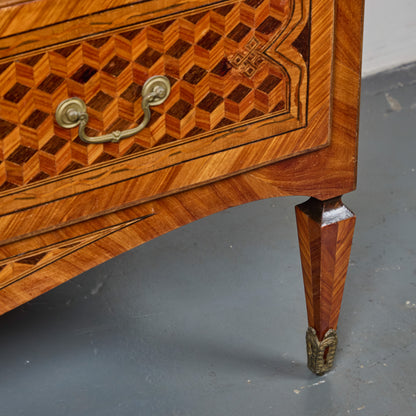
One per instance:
(389, 34)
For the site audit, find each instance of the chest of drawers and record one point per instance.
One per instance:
(258, 98)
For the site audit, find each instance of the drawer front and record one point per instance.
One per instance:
(246, 76)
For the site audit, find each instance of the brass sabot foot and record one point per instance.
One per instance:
(321, 354)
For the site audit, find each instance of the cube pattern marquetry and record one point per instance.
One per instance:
(214, 59)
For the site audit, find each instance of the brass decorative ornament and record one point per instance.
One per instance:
(73, 111)
(321, 354)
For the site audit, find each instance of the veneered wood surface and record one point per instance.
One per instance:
(17, 16)
(4, 3)
(332, 171)
(37, 264)
(325, 231)
(324, 174)
(24, 31)
(229, 67)
(134, 179)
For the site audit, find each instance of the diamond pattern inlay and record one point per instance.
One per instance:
(210, 102)
(178, 49)
(116, 66)
(100, 101)
(209, 40)
(180, 109)
(195, 18)
(161, 27)
(98, 43)
(54, 145)
(84, 74)
(33, 259)
(6, 128)
(269, 25)
(239, 32)
(239, 93)
(35, 119)
(67, 51)
(132, 93)
(269, 83)
(16, 93)
(215, 60)
(32, 61)
(148, 58)
(222, 68)
(254, 3)
(223, 11)
(21, 155)
(195, 74)
(51, 83)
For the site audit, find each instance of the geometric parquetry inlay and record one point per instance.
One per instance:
(214, 60)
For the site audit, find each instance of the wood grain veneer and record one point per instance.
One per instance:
(38, 148)
(325, 231)
(294, 133)
(229, 66)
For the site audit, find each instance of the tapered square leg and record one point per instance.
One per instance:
(325, 231)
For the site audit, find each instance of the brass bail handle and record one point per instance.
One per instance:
(73, 111)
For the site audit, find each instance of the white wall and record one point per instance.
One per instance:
(389, 34)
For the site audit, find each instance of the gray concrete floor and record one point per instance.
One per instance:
(210, 319)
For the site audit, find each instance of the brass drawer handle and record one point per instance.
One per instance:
(73, 111)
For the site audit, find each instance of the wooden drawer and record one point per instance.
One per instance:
(250, 85)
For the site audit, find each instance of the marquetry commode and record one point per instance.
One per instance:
(121, 120)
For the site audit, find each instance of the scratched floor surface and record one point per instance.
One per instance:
(210, 319)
